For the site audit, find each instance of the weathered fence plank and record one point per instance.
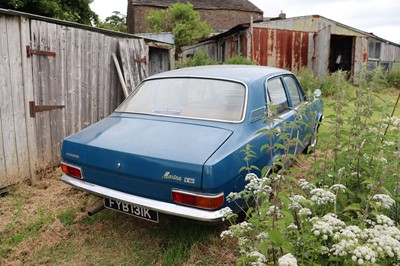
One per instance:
(134, 58)
(94, 76)
(3, 55)
(6, 101)
(17, 94)
(26, 64)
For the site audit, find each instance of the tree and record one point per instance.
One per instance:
(71, 10)
(116, 22)
(183, 21)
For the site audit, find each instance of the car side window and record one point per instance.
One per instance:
(277, 96)
(293, 89)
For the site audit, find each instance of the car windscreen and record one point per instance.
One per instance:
(198, 98)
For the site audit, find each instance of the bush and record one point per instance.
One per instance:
(240, 60)
(334, 82)
(393, 79)
(200, 58)
(308, 81)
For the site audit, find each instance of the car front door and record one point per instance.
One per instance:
(280, 131)
(303, 127)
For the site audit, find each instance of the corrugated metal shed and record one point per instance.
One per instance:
(321, 44)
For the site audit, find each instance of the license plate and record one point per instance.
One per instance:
(131, 209)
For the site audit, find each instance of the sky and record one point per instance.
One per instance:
(380, 17)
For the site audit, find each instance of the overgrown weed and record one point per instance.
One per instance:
(345, 210)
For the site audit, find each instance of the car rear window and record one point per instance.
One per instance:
(197, 98)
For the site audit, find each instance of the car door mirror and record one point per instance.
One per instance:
(317, 93)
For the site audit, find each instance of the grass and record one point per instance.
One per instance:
(52, 228)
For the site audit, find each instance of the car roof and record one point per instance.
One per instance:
(244, 73)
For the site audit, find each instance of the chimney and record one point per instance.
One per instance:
(282, 15)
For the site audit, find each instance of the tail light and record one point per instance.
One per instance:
(203, 201)
(71, 170)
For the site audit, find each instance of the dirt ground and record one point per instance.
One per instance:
(47, 224)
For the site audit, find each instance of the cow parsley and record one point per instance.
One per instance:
(383, 200)
(287, 260)
(322, 197)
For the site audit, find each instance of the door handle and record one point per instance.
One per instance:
(278, 131)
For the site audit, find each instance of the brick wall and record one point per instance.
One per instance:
(218, 19)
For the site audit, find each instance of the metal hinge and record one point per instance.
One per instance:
(33, 108)
(141, 60)
(30, 51)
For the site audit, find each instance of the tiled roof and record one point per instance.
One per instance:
(243, 5)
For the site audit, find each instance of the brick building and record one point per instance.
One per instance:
(220, 14)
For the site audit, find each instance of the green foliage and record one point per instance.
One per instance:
(200, 58)
(393, 79)
(376, 78)
(75, 11)
(182, 20)
(333, 83)
(347, 201)
(240, 60)
(307, 80)
(115, 22)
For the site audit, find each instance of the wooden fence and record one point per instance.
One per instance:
(55, 79)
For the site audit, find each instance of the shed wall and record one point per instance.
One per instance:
(80, 81)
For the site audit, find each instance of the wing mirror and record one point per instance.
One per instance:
(317, 93)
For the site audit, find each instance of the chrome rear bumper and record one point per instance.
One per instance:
(162, 207)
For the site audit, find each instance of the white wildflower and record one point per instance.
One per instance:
(343, 247)
(338, 187)
(324, 250)
(304, 212)
(226, 211)
(287, 260)
(258, 185)
(227, 233)
(321, 196)
(364, 254)
(350, 232)
(258, 257)
(279, 177)
(341, 171)
(384, 220)
(295, 202)
(262, 235)
(326, 226)
(245, 226)
(274, 210)
(305, 185)
(233, 196)
(383, 200)
(321, 228)
(333, 221)
(292, 226)
(250, 177)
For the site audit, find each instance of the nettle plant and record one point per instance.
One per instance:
(344, 210)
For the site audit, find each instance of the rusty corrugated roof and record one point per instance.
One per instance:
(243, 5)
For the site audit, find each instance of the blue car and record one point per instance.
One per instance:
(175, 145)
